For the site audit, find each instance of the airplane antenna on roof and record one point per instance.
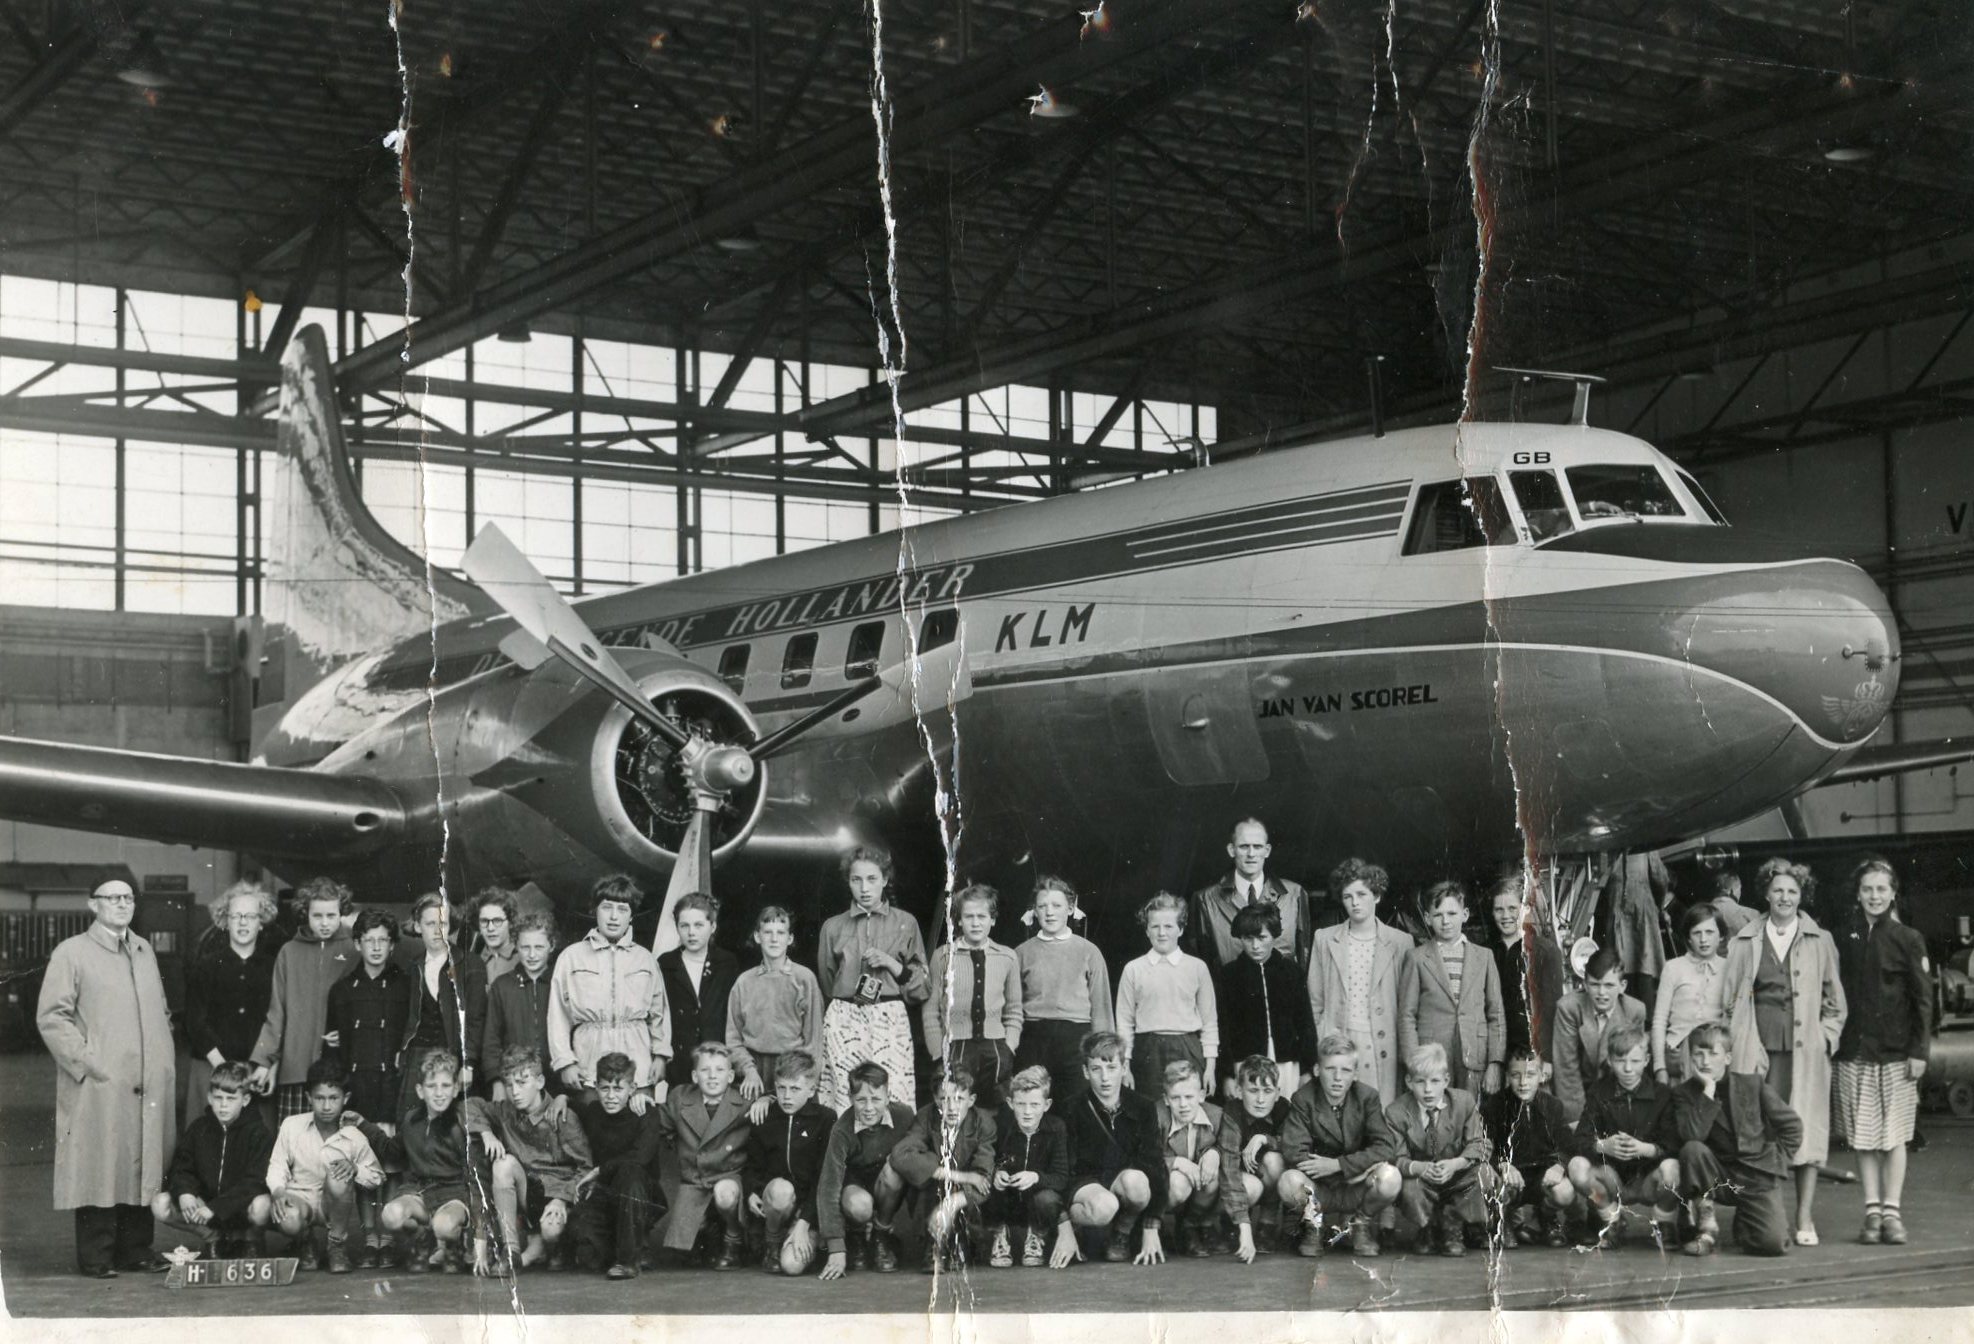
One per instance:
(1580, 411)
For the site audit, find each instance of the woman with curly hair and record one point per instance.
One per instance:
(1354, 972)
(1786, 1014)
(227, 987)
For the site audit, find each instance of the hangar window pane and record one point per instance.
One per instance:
(866, 644)
(799, 662)
(1454, 515)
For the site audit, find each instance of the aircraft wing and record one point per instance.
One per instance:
(180, 800)
(1900, 757)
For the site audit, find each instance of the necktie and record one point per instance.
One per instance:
(979, 956)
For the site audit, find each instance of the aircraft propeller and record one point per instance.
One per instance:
(548, 627)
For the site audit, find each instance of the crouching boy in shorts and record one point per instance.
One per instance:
(1624, 1140)
(1442, 1154)
(320, 1160)
(618, 1199)
(1532, 1144)
(859, 1191)
(217, 1185)
(439, 1210)
(784, 1165)
(1202, 1165)
(1735, 1137)
(1338, 1153)
(946, 1159)
(539, 1157)
(1116, 1159)
(1031, 1169)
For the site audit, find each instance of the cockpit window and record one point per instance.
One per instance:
(1541, 496)
(1706, 501)
(1454, 515)
(1622, 492)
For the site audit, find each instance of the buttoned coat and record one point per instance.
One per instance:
(102, 1013)
(711, 1147)
(1428, 1011)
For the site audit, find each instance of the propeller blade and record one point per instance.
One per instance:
(692, 872)
(510, 579)
(936, 679)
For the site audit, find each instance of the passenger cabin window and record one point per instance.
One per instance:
(866, 643)
(733, 664)
(1622, 492)
(1454, 515)
(799, 662)
(1707, 505)
(1541, 496)
(938, 629)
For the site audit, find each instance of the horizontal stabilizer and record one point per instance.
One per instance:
(266, 810)
(1901, 757)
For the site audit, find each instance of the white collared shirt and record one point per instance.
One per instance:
(1781, 939)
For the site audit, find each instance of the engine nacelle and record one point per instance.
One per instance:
(539, 775)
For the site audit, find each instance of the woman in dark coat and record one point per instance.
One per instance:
(367, 1012)
(1881, 1057)
(227, 987)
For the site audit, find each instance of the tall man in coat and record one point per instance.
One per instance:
(1209, 933)
(103, 1015)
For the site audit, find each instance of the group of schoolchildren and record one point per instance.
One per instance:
(1064, 1124)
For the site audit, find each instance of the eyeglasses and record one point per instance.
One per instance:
(114, 899)
(489, 920)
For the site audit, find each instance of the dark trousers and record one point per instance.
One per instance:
(1761, 1213)
(1058, 1047)
(609, 1226)
(1422, 1203)
(1038, 1210)
(117, 1235)
(990, 1062)
(1151, 1051)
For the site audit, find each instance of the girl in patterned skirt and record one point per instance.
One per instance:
(871, 961)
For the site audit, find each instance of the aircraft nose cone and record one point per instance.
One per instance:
(1817, 638)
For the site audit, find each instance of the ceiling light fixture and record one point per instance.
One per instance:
(514, 333)
(144, 65)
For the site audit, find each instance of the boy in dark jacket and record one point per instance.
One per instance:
(946, 1159)
(784, 1165)
(517, 1002)
(439, 1202)
(216, 1187)
(1624, 1141)
(1735, 1138)
(1116, 1159)
(860, 1191)
(1031, 1168)
(1264, 1004)
(1532, 1144)
(1258, 1114)
(1339, 1153)
(619, 1198)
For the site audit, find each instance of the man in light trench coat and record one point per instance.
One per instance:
(103, 1015)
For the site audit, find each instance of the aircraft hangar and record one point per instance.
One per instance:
(665, 288)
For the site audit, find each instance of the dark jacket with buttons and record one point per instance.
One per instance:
(1355, 1133)
(226, 999)
(368, 1014)
(1765, 1131)
(699, 1012)
(1888, 984)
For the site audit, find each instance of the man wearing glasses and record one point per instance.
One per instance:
(103, 1015)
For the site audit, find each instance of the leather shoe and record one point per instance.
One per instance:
(620, 1271)
(99, 1272)
(148, 1263)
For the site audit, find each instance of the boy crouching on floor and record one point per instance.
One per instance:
(539, 1158)
(706, 1122)
(946, 1159)
(320, 1161)
(1031, 1169)
(1735, 1137)
(859, 1191)
(1116, 1159)
(784, 1165)
(1532, 1143)
(1258, 1114)
(618, 1199)
(1442, 1155)
(1624, 1140)
(439, 1209)
(216, 1188)
(1202, 1165)
(1339, 1153)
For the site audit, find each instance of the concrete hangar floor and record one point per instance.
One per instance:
(1937, 1270)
